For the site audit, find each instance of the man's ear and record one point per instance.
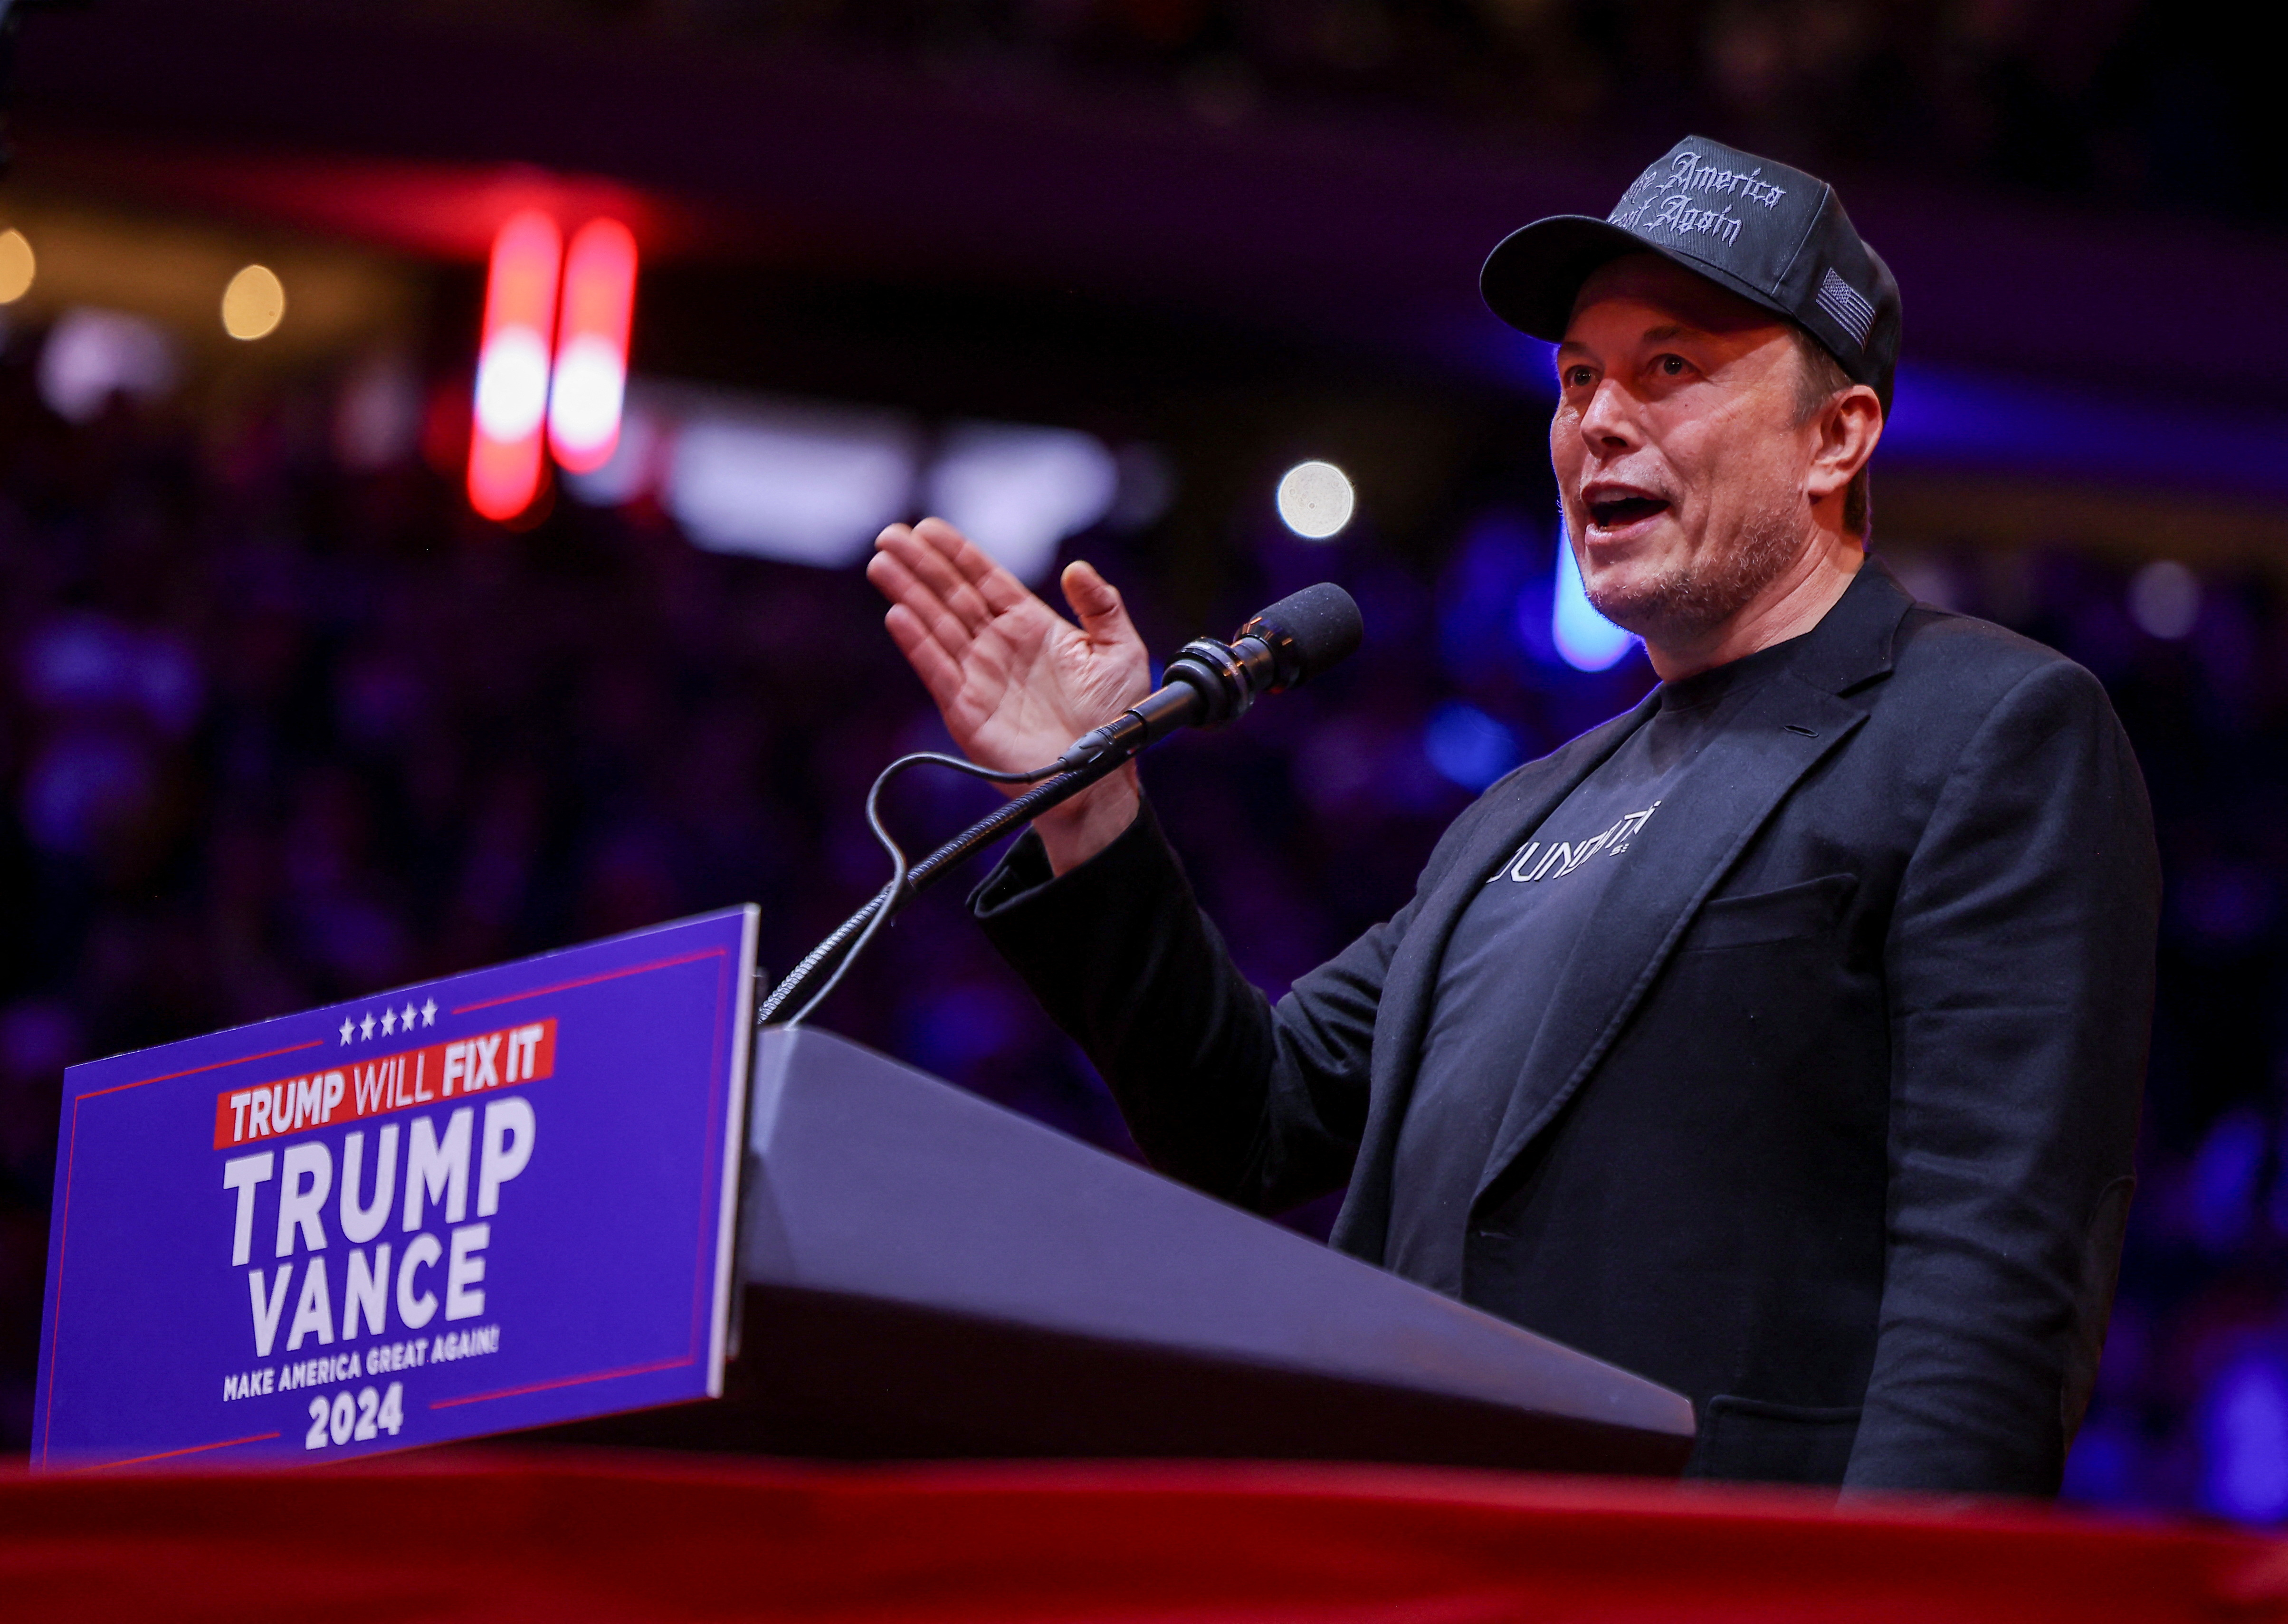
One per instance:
(1849, 426)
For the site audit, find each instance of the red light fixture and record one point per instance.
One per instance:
(512, 366)
(591, 347)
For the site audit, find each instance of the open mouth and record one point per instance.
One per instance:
(1613, 513)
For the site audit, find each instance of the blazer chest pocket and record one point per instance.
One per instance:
(1795, 913)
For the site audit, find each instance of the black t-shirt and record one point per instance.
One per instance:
(1501, 962)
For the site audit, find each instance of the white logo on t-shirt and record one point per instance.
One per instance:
(1533, 861)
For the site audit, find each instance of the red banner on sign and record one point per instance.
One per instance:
(385, 1083)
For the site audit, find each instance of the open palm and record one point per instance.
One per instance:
(1015, 682)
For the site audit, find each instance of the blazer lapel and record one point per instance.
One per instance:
(1785, 727)
(1511, 812)
(1781, 734)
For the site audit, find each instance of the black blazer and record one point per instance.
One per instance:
(1833, 1128)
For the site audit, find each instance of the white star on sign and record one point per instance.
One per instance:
(406, 1019)
(365, 1027)
(429, 1012)
(388, 1021)
(346, 1029)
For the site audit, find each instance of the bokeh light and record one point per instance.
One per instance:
(1315, 499)
(2165, 598)
(18, 266)
(804, 484)
(254, 303)
(2245, 1441)
(1469, 746)
(592, 345)
(512, 383)
(512, 394)
(1017, 491)
(91, 356)
(1586, 638)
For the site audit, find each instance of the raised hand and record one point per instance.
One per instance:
(1015, 682)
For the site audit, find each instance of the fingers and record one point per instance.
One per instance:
(995, 586)
(1096, 604)
(940, 672)
(923, 606)
(930, 566)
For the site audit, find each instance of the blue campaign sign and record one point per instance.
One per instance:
(499, 1200)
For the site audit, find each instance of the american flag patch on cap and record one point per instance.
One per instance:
(1843, 301)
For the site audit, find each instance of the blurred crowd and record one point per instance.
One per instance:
(277, 731)
(2113, 101)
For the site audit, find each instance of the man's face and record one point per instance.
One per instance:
(1679, 456)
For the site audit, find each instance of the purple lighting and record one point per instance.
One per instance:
(1469, 746)
(1942, 417)
(2245, 1441)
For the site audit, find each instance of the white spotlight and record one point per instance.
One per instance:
(90, 355)
(1315, 499)
(804, 483)
(2165, 598)
(1017, 491)
(512, 383)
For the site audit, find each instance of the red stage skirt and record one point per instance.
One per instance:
(578, 1536)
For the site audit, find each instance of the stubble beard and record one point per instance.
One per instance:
(1685, 603)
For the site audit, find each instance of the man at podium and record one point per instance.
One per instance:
(1781, 1040)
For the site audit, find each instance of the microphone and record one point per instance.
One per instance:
(1210, 683)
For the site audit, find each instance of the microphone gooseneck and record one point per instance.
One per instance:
(1210, 683)
(1206, 685)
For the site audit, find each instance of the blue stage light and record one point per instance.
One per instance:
(2244, 1440)
(1586, 638)
(2224, 1178)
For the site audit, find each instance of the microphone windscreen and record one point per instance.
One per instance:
(1313, 629)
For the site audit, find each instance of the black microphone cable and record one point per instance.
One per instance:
(869, 918)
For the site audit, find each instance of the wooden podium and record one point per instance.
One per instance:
(928, 1275)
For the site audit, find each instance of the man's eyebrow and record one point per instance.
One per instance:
(1660, 334)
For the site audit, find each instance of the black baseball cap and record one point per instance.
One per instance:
(1773, 234)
